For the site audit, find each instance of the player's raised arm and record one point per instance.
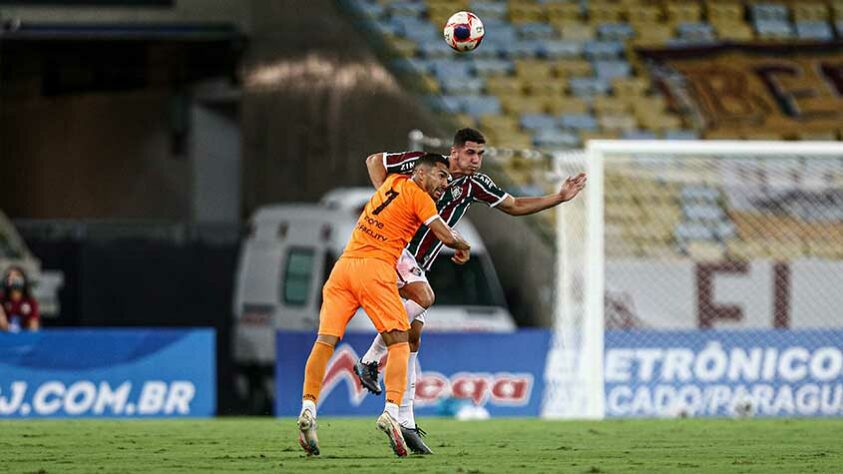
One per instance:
(376, 169)
(448, 236)
(522, 206)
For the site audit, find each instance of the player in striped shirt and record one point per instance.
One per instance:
(468, 186)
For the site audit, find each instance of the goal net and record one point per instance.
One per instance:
(699, 279)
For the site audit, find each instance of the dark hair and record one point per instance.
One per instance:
(468, 135)
(6, 291)
(430, 159)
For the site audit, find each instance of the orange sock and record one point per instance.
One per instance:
(314, 371)
(395, 375)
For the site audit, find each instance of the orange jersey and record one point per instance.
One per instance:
(390, 219)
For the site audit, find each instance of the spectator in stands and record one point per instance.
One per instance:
(18, 308)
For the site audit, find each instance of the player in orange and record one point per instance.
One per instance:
(365, 276)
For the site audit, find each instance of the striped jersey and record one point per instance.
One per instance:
(461, 193)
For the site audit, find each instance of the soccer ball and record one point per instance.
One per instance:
(464, 31)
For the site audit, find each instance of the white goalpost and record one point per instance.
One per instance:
(693, 237)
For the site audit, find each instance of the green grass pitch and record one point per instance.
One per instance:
(354, 445)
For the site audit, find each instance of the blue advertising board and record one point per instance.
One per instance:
(502, 372)
(108, 373)
(724, 373)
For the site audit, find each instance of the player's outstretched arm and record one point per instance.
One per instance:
(522, 206)
(376, 169)
(448, 236)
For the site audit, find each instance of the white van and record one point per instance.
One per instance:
(289, 253)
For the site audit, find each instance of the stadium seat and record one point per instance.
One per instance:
(578, 122)
(566, 105)
(522, 49)
(768, 12)
(493, 67)
(407, 8)
(514, 105)
(603, 49)
(809, 11)
(615, 31)
(498, 122)
(733, 31)
(481, 105)
(559, 12)
(562, 49)
(815, 30)
(681, 135)
(624, 87)
(705, 251)
(606, 105)
(520, 12)
(549, 138)
(773, 28)
(612, 69)
(655, 34)
(504, 86)
(539, 122)
(697, 32)
(687, 231)
(638, 135)
(572, 68)
(545, 87)
(462, 85)
(533, 69)
(487, 10)
(588, 87)
(683, 12)
(603, 12)
(724, 12)
(575, 30)
(622, 122)
(543, 31)
(643, 15)
(411, 66)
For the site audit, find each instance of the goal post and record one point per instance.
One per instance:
(687, 245)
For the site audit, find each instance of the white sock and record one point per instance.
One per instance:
(405, 413)
(308, 405)
(378, 349)
(392, 409)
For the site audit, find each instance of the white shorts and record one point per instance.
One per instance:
(409, 271)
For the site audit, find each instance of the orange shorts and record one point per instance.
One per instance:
(366, 282)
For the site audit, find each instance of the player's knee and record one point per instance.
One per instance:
(426, 299)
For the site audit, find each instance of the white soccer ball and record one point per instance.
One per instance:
(464, 31)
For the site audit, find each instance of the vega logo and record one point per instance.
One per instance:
(501, 389)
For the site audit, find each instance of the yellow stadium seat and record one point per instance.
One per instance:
(786, 250)
(525, 12)
(403, 46)
(733, 31)
(503, 86)
(683, 12)
(599, 135)
(829, 135)
(574, 30)
(558, 11)
(572, 68)
(516, 140)
(498, 122)
(439, 13)
(567, 105)
(620, 122)
(601, 12)
(429, 84)
(646, 105)
(464, 120)
(610, 106)
(702, 251)
(652, 34)
(809, 11)
(533, 69)
(660, 123)
(745, 250)
(522, 105)
(546, 87)
(644, 14)
(728, 12)
(629, 86)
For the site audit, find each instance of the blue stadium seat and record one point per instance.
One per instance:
(697, 32)
(462, 85)
(776, 28)
(696, 192)
(818, 30)
(681, 135)
(523, 49)
(582, 122)
(638, 135)
(588, 86)
(686, 231)
(481, 105)
(488, 11)
(615, 31)
(446, 103)
(559, 49)
(500, 31)
(612, 69)
(444, 68)
(539, 121)
(411, 66)
(724, 230)
(550, 138)
(493, 67)
(702, 212)
(416, 29)
(370, 10)
(536, 31)
(407, 8)
(767, 12)
(603, 49)
(434, 48)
